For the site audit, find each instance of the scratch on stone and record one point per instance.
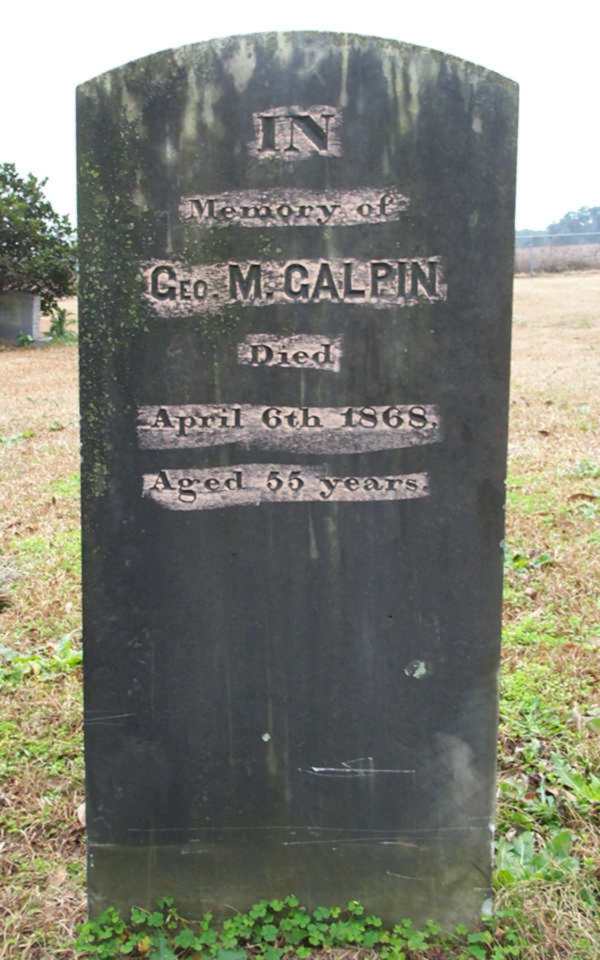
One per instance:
(349, 769)
(400, 843)
(335, 842)
(109, 718)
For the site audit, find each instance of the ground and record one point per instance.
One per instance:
(548, 859)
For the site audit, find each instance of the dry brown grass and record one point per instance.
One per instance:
(554, 513)
(42, 852)
(557, 259)
(39, 428)
(41, 873)
(555, 413)
(554, 444)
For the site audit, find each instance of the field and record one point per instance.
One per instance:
(557, 259)
(548, 853)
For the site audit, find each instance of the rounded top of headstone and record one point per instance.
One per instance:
(243, 55)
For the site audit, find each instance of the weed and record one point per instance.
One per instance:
(272, 930)
(532, 631)
(60, 321)
(65, 656)
(519, 859)
(514, 560)
(535, 704)
(589, 509)
(586, 469)
(67, 486)
(529, 494)
(584, 789)
(62, 551)
(8, 441)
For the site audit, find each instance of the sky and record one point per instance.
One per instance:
(551, 50)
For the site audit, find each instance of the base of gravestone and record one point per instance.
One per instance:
(420, 877)
(20, 314)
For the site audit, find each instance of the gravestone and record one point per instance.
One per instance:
(296, 273)
(19, 314)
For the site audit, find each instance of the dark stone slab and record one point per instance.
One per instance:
(296, 270)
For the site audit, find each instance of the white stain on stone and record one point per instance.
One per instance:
(414, 94)
(242, 63)
(417, 669)
(285, 48)
(459, 767)
(171, 152)
(189, 120)
(130, 104)
(210, 98)
(344, 63)
(253, 484)
(331, 430)
(487, 908)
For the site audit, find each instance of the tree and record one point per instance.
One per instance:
(37, 245)
(584, 220)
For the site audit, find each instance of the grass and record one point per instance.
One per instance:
(548, 851)
(41, 770)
